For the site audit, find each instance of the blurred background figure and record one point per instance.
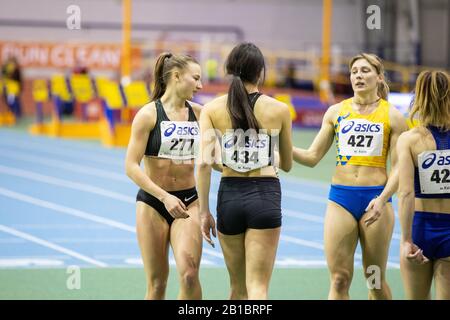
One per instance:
(11, 71)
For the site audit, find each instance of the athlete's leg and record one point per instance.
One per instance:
(416, 278)
(442, 278)
(260, 251)
(340, 240)
(186, 241)
(375, 242)
(234, 253)
(153, 237)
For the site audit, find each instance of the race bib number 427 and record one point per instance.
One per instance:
(434, 171)
(359, 137)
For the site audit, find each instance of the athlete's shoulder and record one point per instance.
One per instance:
(146, 114)
(333, 111)
(217, 102)
(413, 135)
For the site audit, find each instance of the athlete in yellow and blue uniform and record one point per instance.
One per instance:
(365, 129)
(368, 135)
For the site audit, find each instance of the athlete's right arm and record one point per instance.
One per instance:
(322, 142)
(205, 161)
(406, 196)
(143, 123)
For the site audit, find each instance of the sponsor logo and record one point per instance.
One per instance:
(231, 142)
(428, 162)
(182, 131)
(361, 127)
(433, 158)
(170, 130)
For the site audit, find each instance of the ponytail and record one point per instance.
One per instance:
(238, 103)
(383, 90)
(246, 64)
(160, 84)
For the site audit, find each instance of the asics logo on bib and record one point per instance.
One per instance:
(170, 130)
(441, 161)
(249, 143)
(181, 131)
(361, 127)
(230, 142)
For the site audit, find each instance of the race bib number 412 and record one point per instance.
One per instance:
(434, 171)
(359, 137)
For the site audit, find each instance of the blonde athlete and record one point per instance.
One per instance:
(249, 125)
(365, 129)
(424, 191)
(165, 135)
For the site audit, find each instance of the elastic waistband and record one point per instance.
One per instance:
(432, 215)
(357, 188)
(177, 192)
(248, 179)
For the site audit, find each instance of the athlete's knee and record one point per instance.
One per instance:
(189, 277)
(341, 281)
(257, 292)
(156, 288)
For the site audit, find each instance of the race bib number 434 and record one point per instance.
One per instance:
(179, 140)
(434, 171)
(359, 137)
(245, 153)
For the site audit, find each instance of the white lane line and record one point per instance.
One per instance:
(65, 183)
(66, 210)
(119, 225)
(315, 245)
(313, 218)
(304, 196)
(65, 152)
(79, 214)
(50, 245)
(65, 165)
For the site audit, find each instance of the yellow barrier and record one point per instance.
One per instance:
(110, 92)
(136, 94)
(58, 86)
(40, 90)
(286, 98)
(82, 88)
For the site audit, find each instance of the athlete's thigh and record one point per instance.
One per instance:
(260, 250)
(233, 249)
(340, 238)
(376, 238)
(186, 238)
(416, 278)
(153, 237)
(442, 278)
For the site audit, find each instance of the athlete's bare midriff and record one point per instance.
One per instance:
(350, 175)
(170, 175)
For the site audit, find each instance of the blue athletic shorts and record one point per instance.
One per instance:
(431, 232)
(354, 199)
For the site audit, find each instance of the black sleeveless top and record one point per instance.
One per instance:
(154, 140)
(253, 97)
(442, 139)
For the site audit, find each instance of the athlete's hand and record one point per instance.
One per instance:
(208, 224)
(374, 210)
(175, 207)
(413, 253)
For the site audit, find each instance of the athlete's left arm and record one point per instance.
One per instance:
(217, 165)
(398, 126)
